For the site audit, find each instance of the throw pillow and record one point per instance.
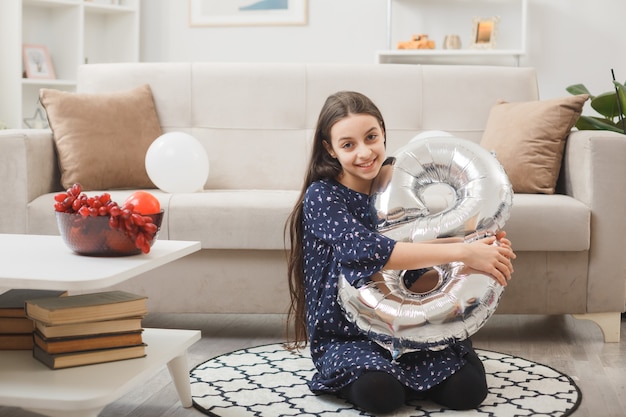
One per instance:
(528, 139)
(102, 139)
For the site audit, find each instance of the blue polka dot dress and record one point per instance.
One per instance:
(339, 238)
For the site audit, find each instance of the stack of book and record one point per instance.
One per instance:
(88, 328)
(16, 330)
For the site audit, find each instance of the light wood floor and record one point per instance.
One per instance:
(571, 346)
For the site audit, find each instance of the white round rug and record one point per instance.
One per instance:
(269, 381)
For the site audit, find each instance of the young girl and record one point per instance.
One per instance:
(331, 234)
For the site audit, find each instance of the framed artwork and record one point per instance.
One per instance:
(247, 12)
(484, 32)
(37, 63)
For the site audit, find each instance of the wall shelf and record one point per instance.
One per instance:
(74, 32)
(416, 56)
(49, 83)
(438, 18)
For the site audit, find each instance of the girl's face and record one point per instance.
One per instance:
(358, 143)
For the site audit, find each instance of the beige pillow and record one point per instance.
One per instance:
(528, 139)
(102, 139)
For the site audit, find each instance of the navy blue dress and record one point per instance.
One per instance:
(339, 238)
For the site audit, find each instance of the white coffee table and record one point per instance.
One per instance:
(44, 262)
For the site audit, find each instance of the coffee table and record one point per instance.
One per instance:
(44, 262)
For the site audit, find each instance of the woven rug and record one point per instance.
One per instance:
(269, 381)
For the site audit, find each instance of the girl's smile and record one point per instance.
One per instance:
(358, 143)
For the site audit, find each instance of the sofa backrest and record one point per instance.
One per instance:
(256, 121)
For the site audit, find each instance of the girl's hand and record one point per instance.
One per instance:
(482, 255)
(500, 237)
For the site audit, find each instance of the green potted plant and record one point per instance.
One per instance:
(610, 105)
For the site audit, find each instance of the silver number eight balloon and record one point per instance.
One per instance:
(402, 206)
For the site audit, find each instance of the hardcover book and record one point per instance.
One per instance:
(92, 307)
(90, 357)
(16, 325)
(89, 328)
(13, 301)
(79, 344)
(16, 341)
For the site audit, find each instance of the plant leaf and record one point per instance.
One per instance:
(596, 123)
(606, 105)
(577, 89)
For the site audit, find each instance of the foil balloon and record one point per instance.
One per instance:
(434, 187)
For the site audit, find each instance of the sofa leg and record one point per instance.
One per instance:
(609, 323)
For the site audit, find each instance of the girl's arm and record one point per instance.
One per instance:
(481, 255)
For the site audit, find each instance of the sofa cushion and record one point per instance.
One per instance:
(255, 219)
(557, 222)
(528, 139)
(232, 219)
(219, 219)
(102, 139)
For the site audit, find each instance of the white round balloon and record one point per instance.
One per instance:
(176, 162)
(431, 134)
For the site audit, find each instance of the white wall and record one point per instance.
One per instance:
(334, 33)
(569, 41)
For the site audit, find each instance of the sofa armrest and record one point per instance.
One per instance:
(28, 168)
(595, 174)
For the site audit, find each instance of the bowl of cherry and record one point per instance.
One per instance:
(97, 226)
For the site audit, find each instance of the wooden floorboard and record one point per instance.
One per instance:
(571, 346)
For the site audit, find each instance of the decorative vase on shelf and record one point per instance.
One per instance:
(452, 42)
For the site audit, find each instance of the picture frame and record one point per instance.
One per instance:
(484, 32)
(37, 62)
(247, 12)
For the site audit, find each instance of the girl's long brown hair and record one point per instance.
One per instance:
(321, 166)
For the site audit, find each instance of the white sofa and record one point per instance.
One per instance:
(256, 122)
